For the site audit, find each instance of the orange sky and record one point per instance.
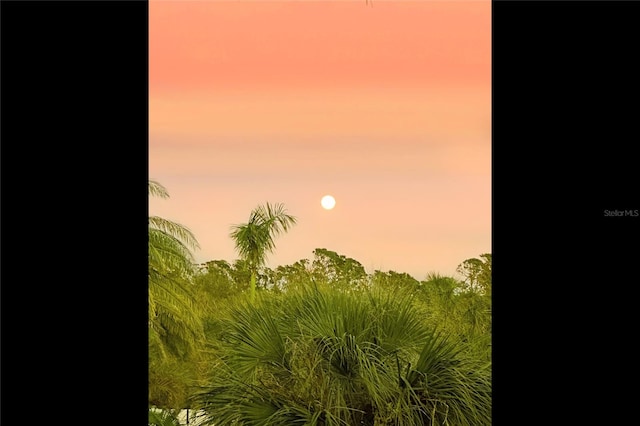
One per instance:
(214, 45)
(386, 107)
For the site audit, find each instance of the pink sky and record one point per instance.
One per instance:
(386, 107)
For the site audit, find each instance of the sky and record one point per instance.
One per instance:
(384, 105)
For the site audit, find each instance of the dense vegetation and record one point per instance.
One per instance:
(317, 342)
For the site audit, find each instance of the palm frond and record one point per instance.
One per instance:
(258, 340)
(175, 230)
(172, 316)
(169, 254)
(173, 313)
(163, 418)
(453, 388)
(321, 357)
(275, 217)
(252, 242)
(157, 190)
(255, 238)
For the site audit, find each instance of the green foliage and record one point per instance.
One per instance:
(317, 348)
(321, 356)
(477, 274)
(394, 281)
(169, 382)
(457, 387)
(159, 417)
(172, 311)
(458, 311)
(439, 293)
(220, 280)
(176, 330)
(323, 344)
(255, 239)
(289, 277)
(172, 380)
(338, 270)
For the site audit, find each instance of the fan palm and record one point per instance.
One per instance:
(319, 357)
(255, 239)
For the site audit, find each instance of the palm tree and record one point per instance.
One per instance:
(173, 322)
(319, 356)
(255, 239)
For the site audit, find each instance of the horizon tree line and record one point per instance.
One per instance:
(193, 312)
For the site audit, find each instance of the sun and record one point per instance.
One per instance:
(328, 202)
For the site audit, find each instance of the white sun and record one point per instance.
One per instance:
(328, 202)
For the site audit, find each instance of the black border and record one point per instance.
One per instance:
(565, 122)
(74, 207)
(74, 210)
